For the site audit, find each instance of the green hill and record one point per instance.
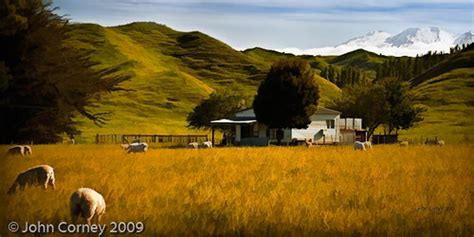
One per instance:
(460, 60)
(172, 71)
(267, 56)
(447, 92)
(359, 58)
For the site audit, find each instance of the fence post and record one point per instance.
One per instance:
(213, 144)
(97, 139)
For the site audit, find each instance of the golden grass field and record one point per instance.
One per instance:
(294, 191)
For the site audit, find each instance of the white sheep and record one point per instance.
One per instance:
(309, 143)
(368, 145)
(86, 203)
(137, 147)
(124, 146)
(359, 146)
(16, 150)
(404, 143)
(27, 151)
(435, 142)
(193, 145)
(207, 144)
(42, 175)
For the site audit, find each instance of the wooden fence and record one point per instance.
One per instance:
(149, 138)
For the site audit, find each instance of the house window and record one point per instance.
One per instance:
(249, 130)
(330, 123)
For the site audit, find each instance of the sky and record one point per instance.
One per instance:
(278, 24)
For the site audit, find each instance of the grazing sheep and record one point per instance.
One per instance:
(39, 175)
(309, 143)
(27, 151)
(137, 147)
(87, 203)
(16, 150)
(404, 143)
(435, 142)
(124, 146)
(193, 145)
(368, 145)
(207, 144)
(359, 146)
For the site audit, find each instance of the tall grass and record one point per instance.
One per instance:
(418, 190)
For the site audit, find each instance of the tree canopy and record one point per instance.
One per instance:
(44, 84)
(288, 96)
(219, 105)
(386, 102)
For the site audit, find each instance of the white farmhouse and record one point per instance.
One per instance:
(326, 127)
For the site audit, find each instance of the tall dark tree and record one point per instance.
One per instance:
(386, 102)
(219, 105)
(44, 84)
(401, 113)
(363, 101)
(288, 96)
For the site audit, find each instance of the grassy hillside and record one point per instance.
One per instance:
(449, 100)
(447, 92)
(267, 56)
(360, 59)
(172, 71)
(460, 60)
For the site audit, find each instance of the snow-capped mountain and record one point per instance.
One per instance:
(413, 36)
(465, 38)
(410, 42)
(374, 38)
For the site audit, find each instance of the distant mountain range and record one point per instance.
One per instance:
(410, 42)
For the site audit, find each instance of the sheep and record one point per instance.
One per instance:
(207, 144)
(22, 150)
(16, 150)
(137, 147)
(435, 142)
(309, 143)
(27, 151)
(124, 146)
(39, 175)
(404, 143)
(368, 145)
(87, 203)
(193, 145)
(359, 146)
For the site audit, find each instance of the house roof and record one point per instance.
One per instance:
(326, 111)
(229, 121)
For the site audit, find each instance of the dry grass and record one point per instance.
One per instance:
(417, 191)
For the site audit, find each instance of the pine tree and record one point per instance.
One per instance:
(49, 84)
